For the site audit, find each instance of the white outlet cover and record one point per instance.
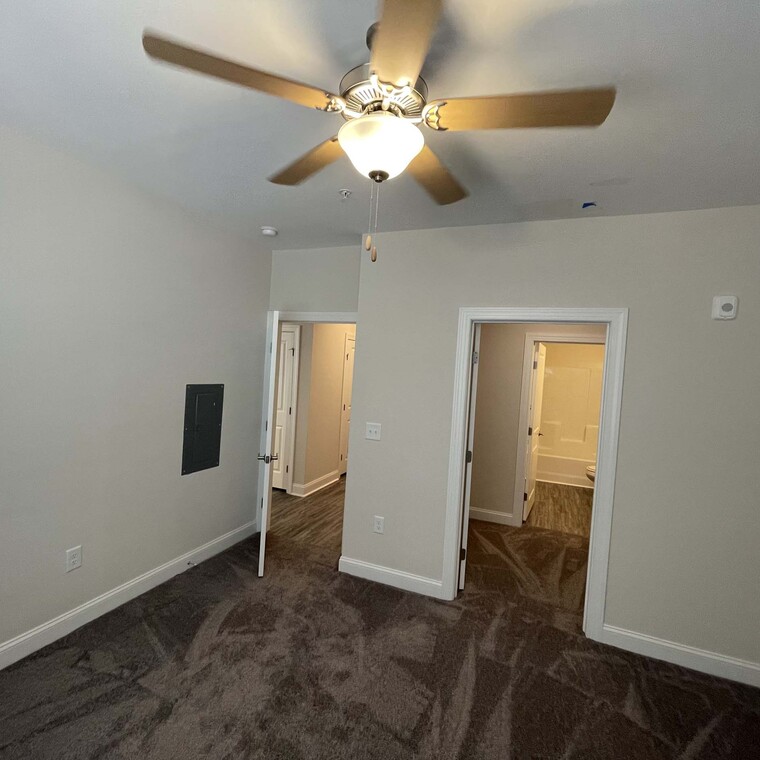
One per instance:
(73, 558)
(373, 431)
(378, 524)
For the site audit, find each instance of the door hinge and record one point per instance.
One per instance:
(525, 496)
(462, 554)
(535, 365)
(341, 457)
(270, 347)
(530, 431)
(266, 425)
(293, 351)
(468, 457)
(287, 468)
(290, 410)
(474, 357)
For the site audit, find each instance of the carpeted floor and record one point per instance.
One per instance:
(309, 663)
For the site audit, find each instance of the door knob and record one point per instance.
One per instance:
(266, 459)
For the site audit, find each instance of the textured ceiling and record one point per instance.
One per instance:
(682, 135)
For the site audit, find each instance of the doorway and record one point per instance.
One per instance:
(614, 324)
(308, 400)
(534, 431)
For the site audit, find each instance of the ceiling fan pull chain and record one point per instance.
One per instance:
(368, 236)
(373, 255)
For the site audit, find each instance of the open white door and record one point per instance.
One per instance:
(267, 427)
(468, 456)
(534, 431)
(345, 411)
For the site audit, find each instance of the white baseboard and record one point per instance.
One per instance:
(390, 577)
(703, 660)
(490, 515)
(563, 479)
(307, 489)
(24, 644)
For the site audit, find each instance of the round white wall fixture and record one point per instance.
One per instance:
(269, 231)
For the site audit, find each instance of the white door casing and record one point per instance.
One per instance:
(469, 454)
(284, 426)
(345, 411)
(534, 429)
(267, 428)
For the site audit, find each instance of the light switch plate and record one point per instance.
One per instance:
(373, 431)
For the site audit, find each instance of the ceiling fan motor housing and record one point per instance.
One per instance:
(362, 95)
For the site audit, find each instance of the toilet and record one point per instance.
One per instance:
(591, 472)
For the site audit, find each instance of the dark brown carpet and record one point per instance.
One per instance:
(308, 663)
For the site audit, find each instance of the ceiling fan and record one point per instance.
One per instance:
(385, 101)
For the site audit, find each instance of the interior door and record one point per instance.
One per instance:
(267, 416)
(283, 434)
(534, 431)
(469, 453)
(345, 412)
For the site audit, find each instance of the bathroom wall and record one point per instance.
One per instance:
(570, 413)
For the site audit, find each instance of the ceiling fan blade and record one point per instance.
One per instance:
(569, 108)
(310, 163)
(211, 65)
(402, 39)
(440, 184)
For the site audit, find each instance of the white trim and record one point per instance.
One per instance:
(42, 635)
(307, 489)
(328, 317)
(490, 515)
(390, 577)
(703, 660)
(563, 479)
(612, 389)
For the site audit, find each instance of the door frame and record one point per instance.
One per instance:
(526, 393)
(342, 462)
(616, 320)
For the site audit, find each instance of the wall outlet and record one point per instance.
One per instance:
(378, 524)
(373, 431)
(73, 558)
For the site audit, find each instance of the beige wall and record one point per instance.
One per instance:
(320, 386)
(683, 557)
(497, 413)
(322, 279)
(111, 301)
(570, 413)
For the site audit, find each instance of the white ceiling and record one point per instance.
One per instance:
(682, 135)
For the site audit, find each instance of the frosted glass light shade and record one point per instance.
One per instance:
(380, 143)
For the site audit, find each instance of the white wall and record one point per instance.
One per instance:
(497, 413)
(684, 561)
(570, 412)
(322, 279)
(111, 301)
